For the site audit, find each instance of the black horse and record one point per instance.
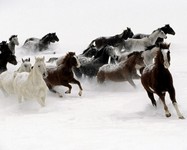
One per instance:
(41, 44)
(91, 68)
(167, 29)
(6, 56)
(113, 40)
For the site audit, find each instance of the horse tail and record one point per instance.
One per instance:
(100, 76)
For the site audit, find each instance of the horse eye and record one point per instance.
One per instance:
(39, 66)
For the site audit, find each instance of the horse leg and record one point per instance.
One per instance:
(19, 98)
(54, 91)
(174, 102)
(100, 77)
(4, 92)
(162, 97)
(69, 86)
(131, 82)
(151, 96)
(41, 98)
(74, 81)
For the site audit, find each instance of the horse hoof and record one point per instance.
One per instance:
(80, 93)
(60, 95)
(67, 92)
(181, 117)
(168, 115)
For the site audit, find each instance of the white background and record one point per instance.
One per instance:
(113, 116)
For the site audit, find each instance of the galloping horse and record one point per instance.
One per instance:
(63, 74)
(167, 29)
(7, 77)
(91, 68)
(13, 40)
(156, 78)
(113, 40)
(124, 71)
(6, 56)
(32, 85)
(142, 44)
(36, 44)
(25, 66)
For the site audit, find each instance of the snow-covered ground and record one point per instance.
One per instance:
(113, 116)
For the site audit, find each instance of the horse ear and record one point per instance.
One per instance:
(43, 58)
(29, 59)
(22, 60)
(169, 44)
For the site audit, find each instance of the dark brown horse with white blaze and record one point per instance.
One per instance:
(63, 74)
(157, 79)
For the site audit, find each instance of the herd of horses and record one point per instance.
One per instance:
(122, 57)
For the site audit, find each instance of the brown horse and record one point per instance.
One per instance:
(157, 79)
(63, 75)
(123, 71)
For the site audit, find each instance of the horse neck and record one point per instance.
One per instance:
(153, 37)
(45, 40)
(158, 62)
(104, 57)
(130, 62)
(35, 76)
(124, 35)
(164, 29)
(11, 46)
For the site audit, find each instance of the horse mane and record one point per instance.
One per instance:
(133, 53)
(13, 36)
(67, 56)
(164, 45)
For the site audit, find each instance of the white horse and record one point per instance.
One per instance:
(32, 85)
(7, 77)
(25, 66)
(141, 44)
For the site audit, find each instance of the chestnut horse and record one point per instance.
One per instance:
(124, 71)
(63, 74)
(156, 78)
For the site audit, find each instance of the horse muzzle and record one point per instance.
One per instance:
(45, 74)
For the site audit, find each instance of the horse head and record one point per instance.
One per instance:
(12, 59)
(161, 34)
(136, 58)
(163, 55)
(110, 50)
(127, 33)
(74, 60)
(40, 66)
(54, 37)
(14, 39)
(26, 65)
(167, 29)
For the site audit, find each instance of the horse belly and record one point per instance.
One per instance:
(20, 84)
(115, 76)
(7, 81)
